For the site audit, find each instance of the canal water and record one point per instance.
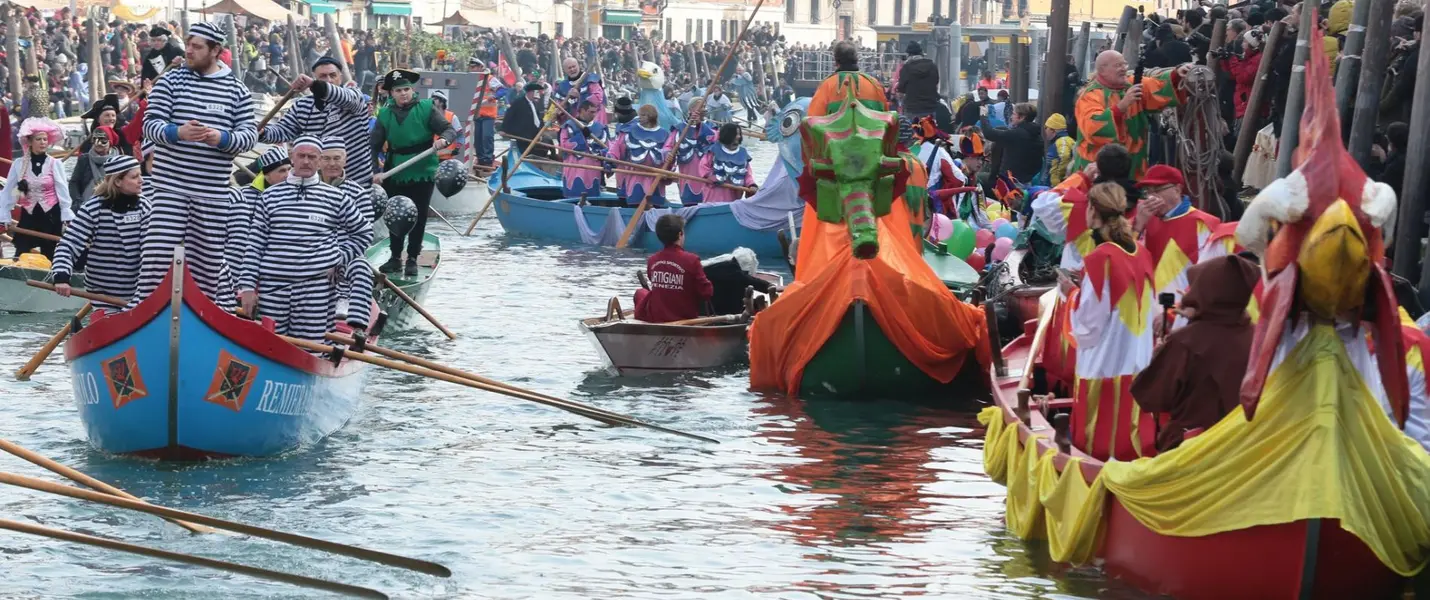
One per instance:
(818, 500)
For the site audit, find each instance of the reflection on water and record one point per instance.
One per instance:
(800, 500)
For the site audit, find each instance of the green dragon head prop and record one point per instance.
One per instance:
(850, 169)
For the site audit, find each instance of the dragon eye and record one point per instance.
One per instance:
(789, 122)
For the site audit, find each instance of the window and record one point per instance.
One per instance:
(699, 32)
(913, 11)
(710, 29)
(668, 34)
(560, 28)
(357, 20)
(724, 29)
(937, 8)
(873, 13)
(789, 11)
(689, 37)
(898, 12)
(814, 12)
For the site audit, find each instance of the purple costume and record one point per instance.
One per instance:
(578, 181)
(646, 147)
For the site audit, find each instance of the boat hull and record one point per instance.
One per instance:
(712, 231)
(177, 378)
(1258, 562)
(17, 297)
(400, 316)
(634, 348)
(859, 361)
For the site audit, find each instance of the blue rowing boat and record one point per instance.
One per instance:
(536, 207)
(178, 378)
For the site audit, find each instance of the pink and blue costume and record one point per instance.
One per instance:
(576, 182)
(642, 146)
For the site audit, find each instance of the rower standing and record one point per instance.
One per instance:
(199, 117)
(727, 163)
(304, 232)
(644, 142)
(697, 141)
(107, 230)
(582, 134)
(588, 85)
(406, 125)
(331, 111)
(38, 185)
(273, 167)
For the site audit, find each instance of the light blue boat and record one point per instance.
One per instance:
(178, 378)
(535, 207)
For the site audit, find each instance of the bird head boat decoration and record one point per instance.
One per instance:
(850, 169)
(1320, 231)
(784, 130)
(650, 76)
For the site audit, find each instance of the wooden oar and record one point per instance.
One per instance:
(427, 368)
(387, 283)
(82, 479)
(273, 112)
(29, 369)
(407, 163)
(646, 170)
(444, 219)
(552, 163)
(377, 556)
(36, 234)
(670, 160)
(1035, 352)
(89, 540)
(506, 172)
(91, 296)
(713, 320)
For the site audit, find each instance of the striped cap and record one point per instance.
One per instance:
(276, 156)
(207, 31)
(334, 143)
(119, 163)
(308, 140)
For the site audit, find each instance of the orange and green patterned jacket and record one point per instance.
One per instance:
(1099, 122)
(867, 90)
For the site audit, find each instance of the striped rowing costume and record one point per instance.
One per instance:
(361, 196)
(303, 233)
(330, 111)
(191, 202)
(244, 200)
(110, 232)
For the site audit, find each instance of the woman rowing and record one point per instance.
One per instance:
(647, 143)
(700, 135)
(107, 229)
(727, 163)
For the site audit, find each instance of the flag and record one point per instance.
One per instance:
(504, 71)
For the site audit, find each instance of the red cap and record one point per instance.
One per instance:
(1160, 175)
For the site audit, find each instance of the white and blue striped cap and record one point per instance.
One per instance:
(308, 140)
(207, 31)
(276, 156)
(334, 143)
(119, 163)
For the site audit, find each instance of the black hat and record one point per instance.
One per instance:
(327, 60)
(624, 105)
(158, 30)
(397, 78)
(914, 49)
(535, 86)
(109, 102)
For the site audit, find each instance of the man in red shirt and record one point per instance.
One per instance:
(677, 281)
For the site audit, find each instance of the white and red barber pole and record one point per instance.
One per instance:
(469, 134)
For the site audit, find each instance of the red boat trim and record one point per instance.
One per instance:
(116, 326)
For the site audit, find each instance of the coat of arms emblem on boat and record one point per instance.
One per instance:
(121, 374)
(232, 380)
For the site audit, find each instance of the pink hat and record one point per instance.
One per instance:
(34, 125)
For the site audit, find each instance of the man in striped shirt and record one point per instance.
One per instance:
(331, 111)
(198, 118)
(304, 234)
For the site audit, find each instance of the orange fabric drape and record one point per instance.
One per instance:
(934, 330)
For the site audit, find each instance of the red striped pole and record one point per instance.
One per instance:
(479, 95)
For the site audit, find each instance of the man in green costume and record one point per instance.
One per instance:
(406, 127)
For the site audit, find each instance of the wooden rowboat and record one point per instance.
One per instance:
(179, 378)
(1305, 559)
(630, 348)
(400, 316)
(16, 297)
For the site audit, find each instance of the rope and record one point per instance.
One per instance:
(1198, 128)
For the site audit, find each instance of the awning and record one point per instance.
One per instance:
(611, 16)
(321, 7)
(268, 10)
(485, 19)
(41, 4)
(391, 8)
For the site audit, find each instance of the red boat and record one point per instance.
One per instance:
(1300, 560)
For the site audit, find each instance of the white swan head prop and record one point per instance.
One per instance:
(651, 76)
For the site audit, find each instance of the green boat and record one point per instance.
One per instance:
(399, 315)
(951, 270)
(859, 361)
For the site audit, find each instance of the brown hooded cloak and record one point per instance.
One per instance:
(1195, 376)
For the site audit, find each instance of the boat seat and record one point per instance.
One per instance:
(427, 260)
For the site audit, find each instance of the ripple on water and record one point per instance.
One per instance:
(826, 500)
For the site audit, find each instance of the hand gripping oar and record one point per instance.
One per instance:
(427, 368)
(377, 556)
(670, 160)
(99, 542)
(29, 369)
(407, 163)
(82, 479)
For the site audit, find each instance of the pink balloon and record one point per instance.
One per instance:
(975, 260)
(999, 222)
(941, 228)
(1002, 248)
(982, 238)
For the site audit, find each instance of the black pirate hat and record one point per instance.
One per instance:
(397, 78)
(109, 102)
